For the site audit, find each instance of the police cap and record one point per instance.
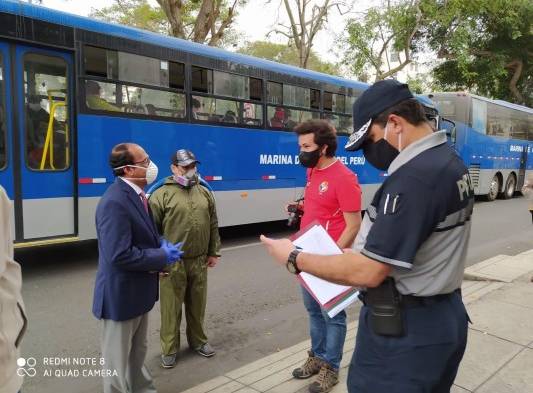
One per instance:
(184, 158)
(375, 100)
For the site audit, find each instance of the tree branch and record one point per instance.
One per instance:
(215, 39)
(517, 65)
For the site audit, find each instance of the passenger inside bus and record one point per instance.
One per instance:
(289, 123)
(37, 119)
(37, 122)
(196, 107)
(230, 117)
(94, 100)
(278, 120)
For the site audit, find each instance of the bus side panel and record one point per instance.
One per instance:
(253, 173)
(487, 156)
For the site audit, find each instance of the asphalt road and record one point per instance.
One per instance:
(254, 307)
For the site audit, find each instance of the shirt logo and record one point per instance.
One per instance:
(323, 187)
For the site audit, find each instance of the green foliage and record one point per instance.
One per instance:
(487, 47)
(416, 85)
(136, 13)
(286, 54)
(391, 26)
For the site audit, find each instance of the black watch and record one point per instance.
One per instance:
(291, 262)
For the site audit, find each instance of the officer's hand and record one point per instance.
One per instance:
(212, 261)
(278, 248)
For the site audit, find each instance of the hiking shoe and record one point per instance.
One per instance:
(168, 361)
(205, 350)
(326, 379)
(311, 367)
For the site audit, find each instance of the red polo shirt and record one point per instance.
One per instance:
(330, 192)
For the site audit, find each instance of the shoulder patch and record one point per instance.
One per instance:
(391, 204)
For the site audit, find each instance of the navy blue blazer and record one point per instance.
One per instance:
(128, 246)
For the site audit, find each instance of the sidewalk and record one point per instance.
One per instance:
(499, 355)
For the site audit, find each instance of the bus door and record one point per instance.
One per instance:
(522, 169)
(6, 156)
(44, 168)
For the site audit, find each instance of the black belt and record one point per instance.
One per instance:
(420, 301)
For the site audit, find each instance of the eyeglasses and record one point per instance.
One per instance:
(144, 162)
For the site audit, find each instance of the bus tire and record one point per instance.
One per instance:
(494, 189)
(510, 187)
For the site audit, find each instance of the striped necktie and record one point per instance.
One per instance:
(144, 200)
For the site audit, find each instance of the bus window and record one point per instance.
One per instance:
(297, 96)
(519, 125)
(153, 102)
(281, 117)
(141, 69)
(100, 62)
(216, 110)
(3, 120)
(202, 80)
(252, 114)
(343, 124)
(334, 102)
(274, 93)
(498, 120)
(315, 99)
(45, 95)
(231, 85)
(101, 96)
(176, 78)
(479, 116)
(256, 89)
(349, 104)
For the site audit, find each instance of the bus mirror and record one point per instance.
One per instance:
(451, 129)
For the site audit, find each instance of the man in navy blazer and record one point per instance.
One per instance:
(130, 256)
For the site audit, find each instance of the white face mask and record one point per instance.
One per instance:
(151, 172)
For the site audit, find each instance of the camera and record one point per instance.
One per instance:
(295, 214)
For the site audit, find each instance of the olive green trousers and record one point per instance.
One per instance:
(186, 285)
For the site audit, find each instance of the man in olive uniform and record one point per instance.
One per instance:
(184, 211)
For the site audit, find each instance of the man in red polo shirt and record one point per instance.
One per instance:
(333, 198)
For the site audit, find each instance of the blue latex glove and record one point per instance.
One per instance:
(172, 251)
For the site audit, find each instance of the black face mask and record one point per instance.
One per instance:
(309, 159)
(380, 154)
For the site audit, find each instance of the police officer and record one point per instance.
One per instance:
(184, 209)
(410, 251)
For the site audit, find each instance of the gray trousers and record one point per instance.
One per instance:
(124, 349)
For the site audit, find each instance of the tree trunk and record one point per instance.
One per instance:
(173, 11)
(303, 29)
(517, 65)
(205, 26)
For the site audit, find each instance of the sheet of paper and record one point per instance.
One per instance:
(317, 241)
(342, 305)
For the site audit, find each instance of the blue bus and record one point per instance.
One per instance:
(71, 88)
(493, 137)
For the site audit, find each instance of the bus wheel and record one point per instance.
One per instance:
(494, 188)
(510, 186)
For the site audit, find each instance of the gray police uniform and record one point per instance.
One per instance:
(419, 223)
